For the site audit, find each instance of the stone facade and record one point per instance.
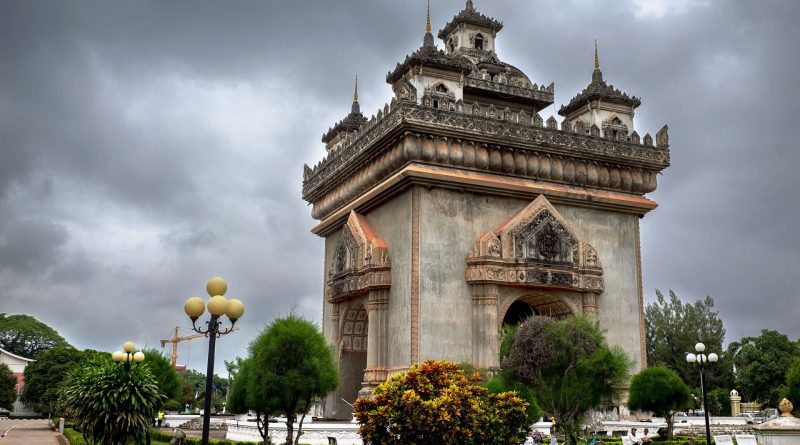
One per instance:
(458, 208)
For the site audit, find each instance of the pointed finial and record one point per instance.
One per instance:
(470, 6)
(356, 108)
(428, 21)
(596, 59)
(597, 75)
(427, 41)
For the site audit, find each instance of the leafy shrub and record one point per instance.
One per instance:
(435, 403)
(172, 405)
(109, 404)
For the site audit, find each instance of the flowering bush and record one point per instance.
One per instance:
(436, 403)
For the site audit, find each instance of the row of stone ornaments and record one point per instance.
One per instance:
(527, 150)
(363, 136)
(492, 158)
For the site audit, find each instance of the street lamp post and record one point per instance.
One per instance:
(701, 359)
(128, 356)
(217, 307)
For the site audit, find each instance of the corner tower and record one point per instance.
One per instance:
(458, 208)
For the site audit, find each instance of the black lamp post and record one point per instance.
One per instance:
(701, 360)
(217, 307)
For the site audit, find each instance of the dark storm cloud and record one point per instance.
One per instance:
(147, 146)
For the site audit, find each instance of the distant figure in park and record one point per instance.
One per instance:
(646, 437)
(635, 437)
(553, 440)
(537, 438)
(160, 417)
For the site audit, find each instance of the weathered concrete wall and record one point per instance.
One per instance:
(613, 235)
(392, 223)
(450, 223)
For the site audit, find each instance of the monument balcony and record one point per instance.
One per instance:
(512, 89)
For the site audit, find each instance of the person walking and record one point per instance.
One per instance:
(160, 417)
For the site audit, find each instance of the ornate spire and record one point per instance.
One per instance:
(597, 75)
(428, 21)
(428, 40)
(470, 6)
(596, 59)
(356, 108)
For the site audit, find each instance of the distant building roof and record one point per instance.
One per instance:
(3, 351)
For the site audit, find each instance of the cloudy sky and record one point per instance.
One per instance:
(146, 146)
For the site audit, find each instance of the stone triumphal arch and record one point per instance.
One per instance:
(458, 207)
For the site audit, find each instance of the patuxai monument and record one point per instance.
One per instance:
(458, 208)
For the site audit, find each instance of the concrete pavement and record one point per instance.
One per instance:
(27, 432)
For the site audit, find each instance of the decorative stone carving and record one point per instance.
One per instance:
(537, 120)
(405, 90)
(522, 118)
(347, 171)
(615, 129)
(662, 137)
(552, 123)
(648, 140)
(535, 249)
(360, 261)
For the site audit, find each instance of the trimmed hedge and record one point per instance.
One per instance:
(74, 437)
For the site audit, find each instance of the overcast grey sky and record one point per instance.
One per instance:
(146, 146)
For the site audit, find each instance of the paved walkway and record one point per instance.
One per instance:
(27, 432)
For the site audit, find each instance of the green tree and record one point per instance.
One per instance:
(44, 377)
(193, 386)
(164, 372)
(661, 391)
(761, 364)
(436, 403)
(292, 361)
(8, 387)
(719, 402)
(26, 336)
(109, 404)
(569, 367)
(672, 328)
(245, 396)
(793, 384)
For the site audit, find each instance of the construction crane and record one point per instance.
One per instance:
(176, 339)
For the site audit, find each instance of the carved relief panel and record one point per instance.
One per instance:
(360, 261)
(536, 249)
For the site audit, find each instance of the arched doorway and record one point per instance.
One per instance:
(518, 312)
(353, 352)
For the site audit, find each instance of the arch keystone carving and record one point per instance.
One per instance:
(536, 248)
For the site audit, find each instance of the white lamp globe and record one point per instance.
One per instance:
(117, 356)
(713, 357)
(699, 347)
(691, 358)
(138, 357)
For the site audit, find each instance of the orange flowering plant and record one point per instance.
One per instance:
(436, 403)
